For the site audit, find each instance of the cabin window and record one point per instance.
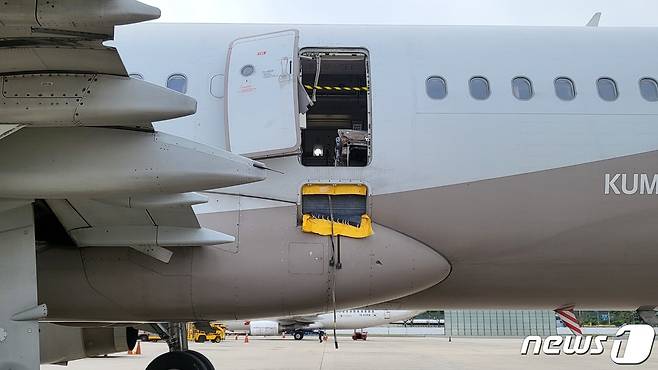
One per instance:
(607, 89)
(522, 88)
(436, 87)
(479, 87)
(177, 82)
(137, 76)
(649, 89)
(336, 129)
(565, 89)
(217, 86)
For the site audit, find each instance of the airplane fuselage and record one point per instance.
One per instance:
(516, 194)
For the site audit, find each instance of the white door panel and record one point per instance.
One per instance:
(261, 94)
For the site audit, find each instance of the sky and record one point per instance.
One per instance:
(426, 12)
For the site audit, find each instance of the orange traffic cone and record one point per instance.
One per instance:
(137, 350)
(246, 338)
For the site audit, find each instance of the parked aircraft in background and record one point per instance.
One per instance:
(299, 325)
(298, 168)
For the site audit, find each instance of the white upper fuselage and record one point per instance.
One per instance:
(450, 141)
(506, 190)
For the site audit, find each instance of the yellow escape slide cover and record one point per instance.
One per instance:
(324, 226)
(321, 226)
(334, 189)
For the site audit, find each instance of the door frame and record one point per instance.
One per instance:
(296, 67)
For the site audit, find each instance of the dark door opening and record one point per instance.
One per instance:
(337, 131)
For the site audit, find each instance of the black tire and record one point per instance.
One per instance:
(202, 339)
(299, 335)
(204, 359)
(177, 360)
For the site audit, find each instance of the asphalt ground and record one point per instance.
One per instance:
(377, 353)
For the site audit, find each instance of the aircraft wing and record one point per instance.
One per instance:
(57, 71)
(65, 36)
(146, 226)
(84, 140)
(298, 321)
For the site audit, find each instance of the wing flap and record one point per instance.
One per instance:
(135, 236)
(97, 59)
(304, 320)
(93, 223)
(47, 44)
(72, 18)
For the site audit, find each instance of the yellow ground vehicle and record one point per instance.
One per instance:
(145, 336)
(206, 332)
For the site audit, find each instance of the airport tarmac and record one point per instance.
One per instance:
(377, 353)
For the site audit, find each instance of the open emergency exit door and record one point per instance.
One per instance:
(262, 102)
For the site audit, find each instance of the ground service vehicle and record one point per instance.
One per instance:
(201, 333)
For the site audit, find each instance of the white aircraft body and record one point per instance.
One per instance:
(286, 170)
(345, 319)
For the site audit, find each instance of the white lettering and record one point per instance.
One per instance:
(624, 184)
(552, 340)
(610, 184)
(526, 345)
(638, 347)
(645, 187)
(568, 349)
(598, 344)
(636, 350)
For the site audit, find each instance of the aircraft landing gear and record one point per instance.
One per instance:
(202, 358)
(299, 335)
(179, 356)
(177, 360)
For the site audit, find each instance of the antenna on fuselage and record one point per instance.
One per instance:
(594, 22)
